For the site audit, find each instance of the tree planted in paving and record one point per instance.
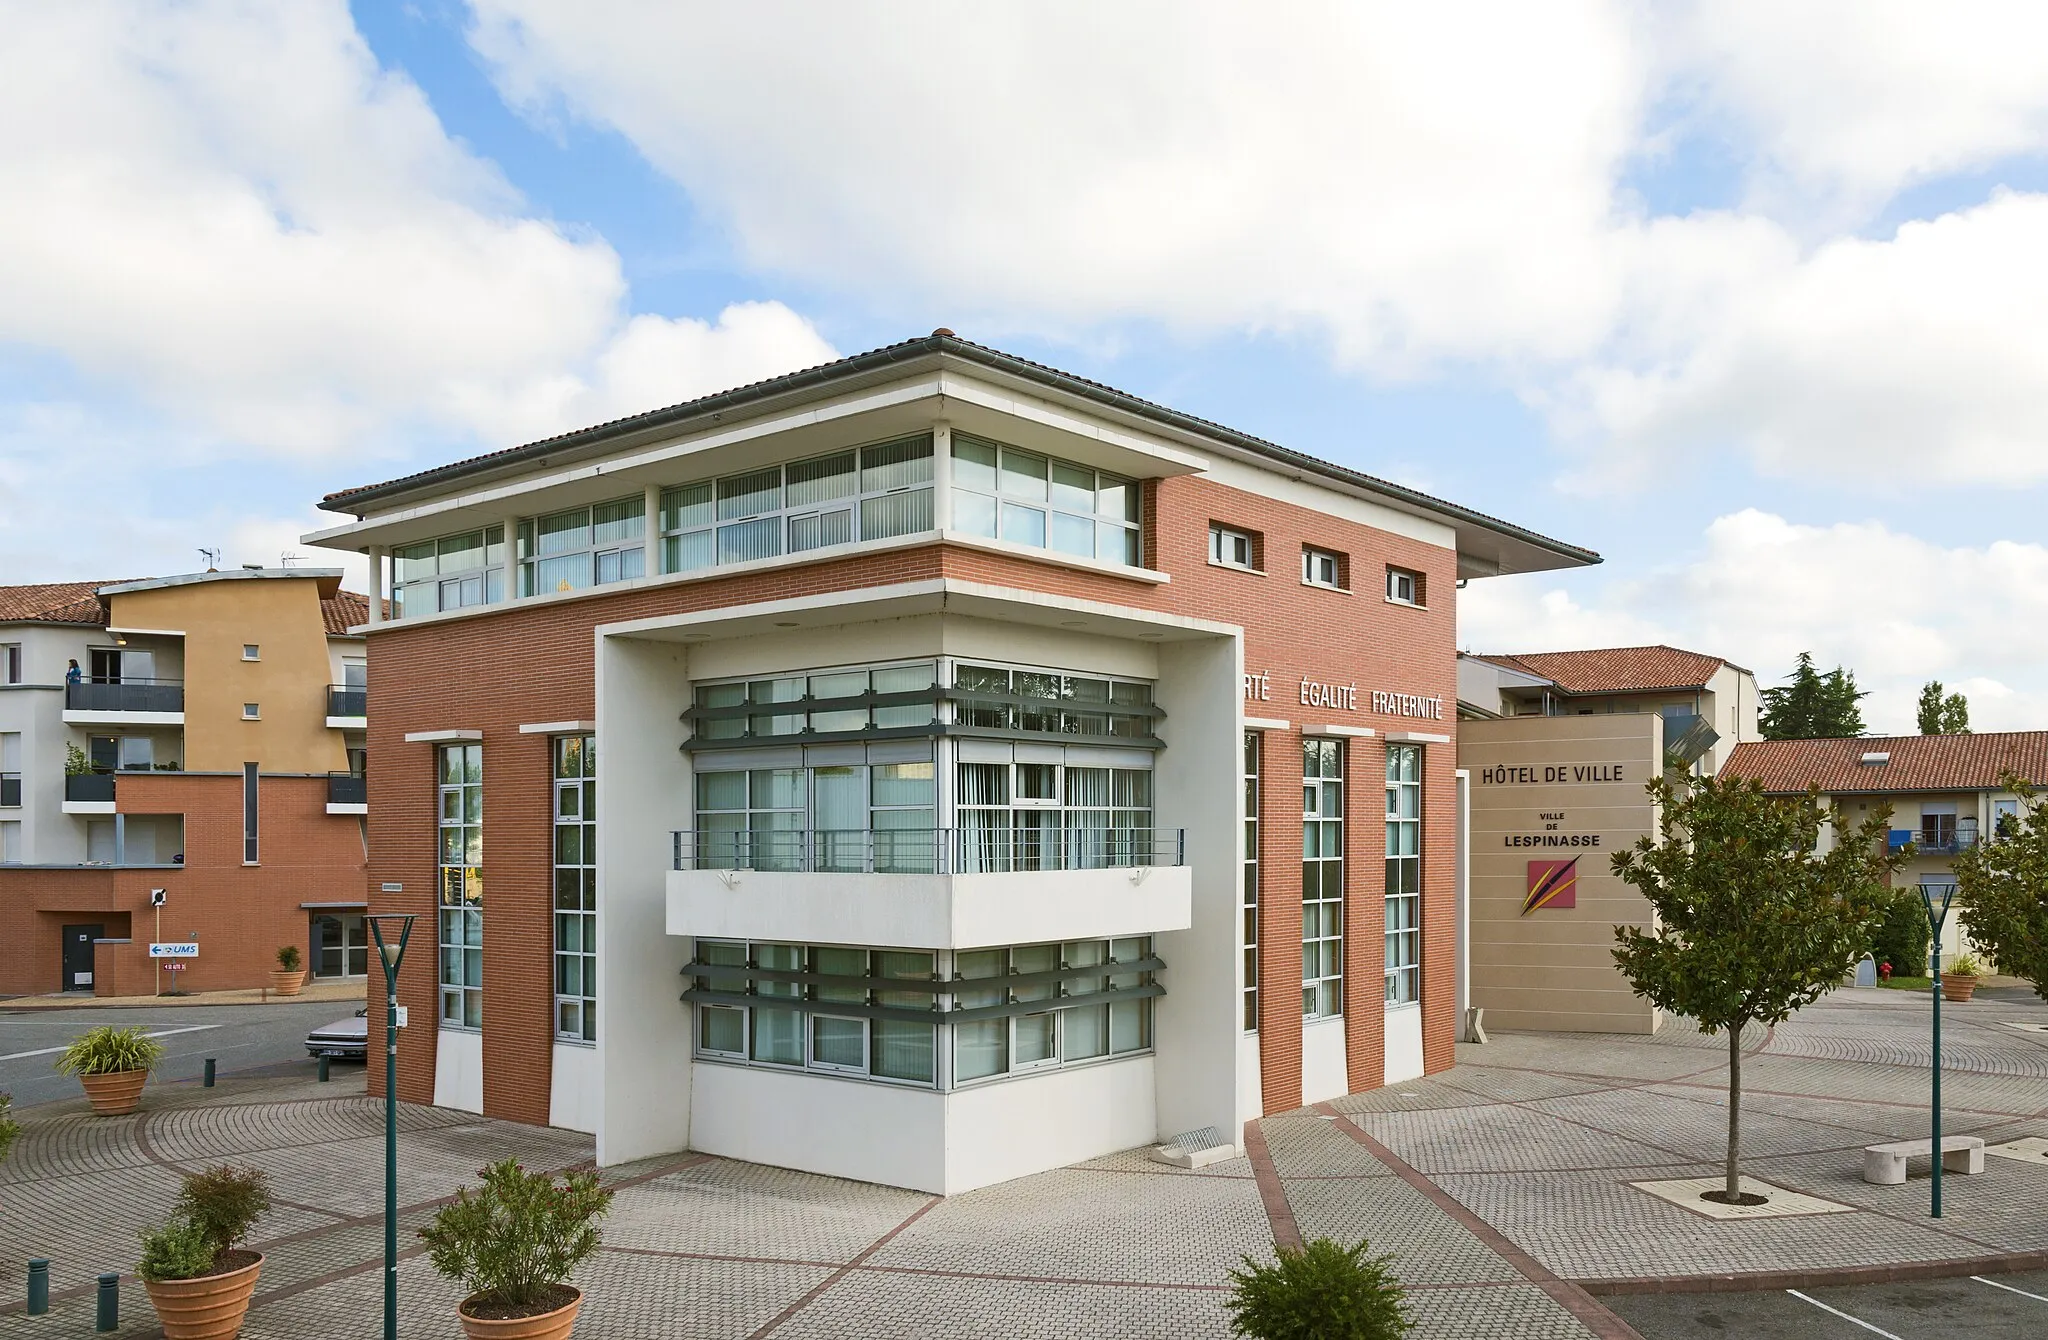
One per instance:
(2003, 887)
(1812, 705)
(1942, 714)
(1753, 922)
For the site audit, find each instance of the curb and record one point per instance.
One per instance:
(1759, 1280)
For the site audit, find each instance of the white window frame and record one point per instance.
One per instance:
(422, 585)
(252, 711)
(252, 651)
(1323, 804)
(1115, 537)
(1223, 540)
(455, 902)
(582, 786)
(10, 663)
(1403, 923)
(701, 526)
(624, 551)
(1396, 578)
(1248, 887)
(1313, 556)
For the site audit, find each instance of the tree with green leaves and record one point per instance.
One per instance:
(1939, 715)
(1753, 919)
(1812, 705)
(2002, 885)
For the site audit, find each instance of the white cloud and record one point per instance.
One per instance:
(230, 211)
(1896, 609)
(1373, 173)
(1842, 103)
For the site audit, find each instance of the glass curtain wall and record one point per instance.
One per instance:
(1322, 878)
(1404, 873)
(874, 492)
(575, 786)
(461, 894)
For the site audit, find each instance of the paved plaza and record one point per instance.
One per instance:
(1500, 1187)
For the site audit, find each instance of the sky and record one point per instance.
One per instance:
(1751, 298)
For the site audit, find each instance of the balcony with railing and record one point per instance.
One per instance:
(89, 793)
(143, 702)
(348, 706)
(348, 793)
(937, 888)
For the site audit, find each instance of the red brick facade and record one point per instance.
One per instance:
(520, 664)
(240, 914)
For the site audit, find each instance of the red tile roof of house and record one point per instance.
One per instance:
(347, 609)
(53, 602)
(1916, 762)
(1617, 669)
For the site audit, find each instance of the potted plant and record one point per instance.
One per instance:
(1319, 1291)
(1959, 979)
(287, 977)
(198, 1278)
(112, 1064)
(9, 1127)
(513, 1243)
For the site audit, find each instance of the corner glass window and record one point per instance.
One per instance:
(1040, 502)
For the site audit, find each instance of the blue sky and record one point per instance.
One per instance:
(1762, 328)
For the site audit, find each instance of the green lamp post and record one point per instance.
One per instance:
(391, 954)
(1937, 913)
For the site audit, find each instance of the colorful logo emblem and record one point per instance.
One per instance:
(1552, 884)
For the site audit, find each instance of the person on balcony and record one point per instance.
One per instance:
(74, 675)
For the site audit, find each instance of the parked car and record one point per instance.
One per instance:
(347, 1038)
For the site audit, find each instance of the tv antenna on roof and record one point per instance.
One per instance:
(212, 557)
(288, 558)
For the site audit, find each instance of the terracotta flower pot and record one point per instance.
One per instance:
(554, 1325)
(208, 1308)
(1957, 988)
(287, 983)
(116, 1093)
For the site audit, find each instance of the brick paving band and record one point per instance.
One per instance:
(1286, 1232)
(818, 1290)
(1572, 1297)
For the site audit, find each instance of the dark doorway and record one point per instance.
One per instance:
(78, 955)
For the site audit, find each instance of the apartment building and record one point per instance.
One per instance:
(929, 768)
(1945, 793)
(181, 759)
(1708, 704)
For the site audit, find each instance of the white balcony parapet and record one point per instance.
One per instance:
(923, 898)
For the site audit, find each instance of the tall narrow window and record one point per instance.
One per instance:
(461, 791)
(10, 663)
(1322, 878)
(1250, 892)
(576, 888)
(248, 814)
(1404, 873)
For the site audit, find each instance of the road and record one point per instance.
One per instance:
(1989, 1307)
(239, 1037)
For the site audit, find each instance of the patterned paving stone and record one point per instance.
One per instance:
(876, 1306)
(1509, 1312)
(1505, 1139)
(1090, 1226)
(1311, 1146)
(747, 1209)
(1429, 1247)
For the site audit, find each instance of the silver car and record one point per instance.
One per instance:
(347, 1039)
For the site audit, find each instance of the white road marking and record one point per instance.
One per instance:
(163, 1033)
(1854, 1321)
(2039, 1298)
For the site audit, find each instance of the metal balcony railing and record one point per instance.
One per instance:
(92, 786)
(1943, 844)
(10, 789)
(347, 788)
(929, 851)
(344, 701)
(130, 695)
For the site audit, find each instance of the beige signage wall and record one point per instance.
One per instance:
(1551, 789)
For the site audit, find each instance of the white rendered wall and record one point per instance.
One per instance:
(1251, 1089)
(1198, 786)
(643, 791)
(996, 1132)
(35, 709)
(459, 1070)
(927, 911)
(843, 1128)
(1404, 1044)
(576, 1088)
(1323, 1073)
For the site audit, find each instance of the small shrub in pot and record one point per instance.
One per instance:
(286, 979)
(513, 1242)
(198, 1275)
(112, 1064)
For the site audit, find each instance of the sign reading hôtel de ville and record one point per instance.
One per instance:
(1344, 698)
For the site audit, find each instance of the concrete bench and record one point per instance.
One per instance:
(1886, 1164)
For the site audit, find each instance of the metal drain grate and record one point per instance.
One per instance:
(1194, 1142)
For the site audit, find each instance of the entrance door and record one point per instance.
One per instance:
(341, 945)
(78, 955)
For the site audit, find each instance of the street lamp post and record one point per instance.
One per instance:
(1936, 915)
(391, 955)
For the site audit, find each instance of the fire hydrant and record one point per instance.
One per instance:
(1884, 972)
